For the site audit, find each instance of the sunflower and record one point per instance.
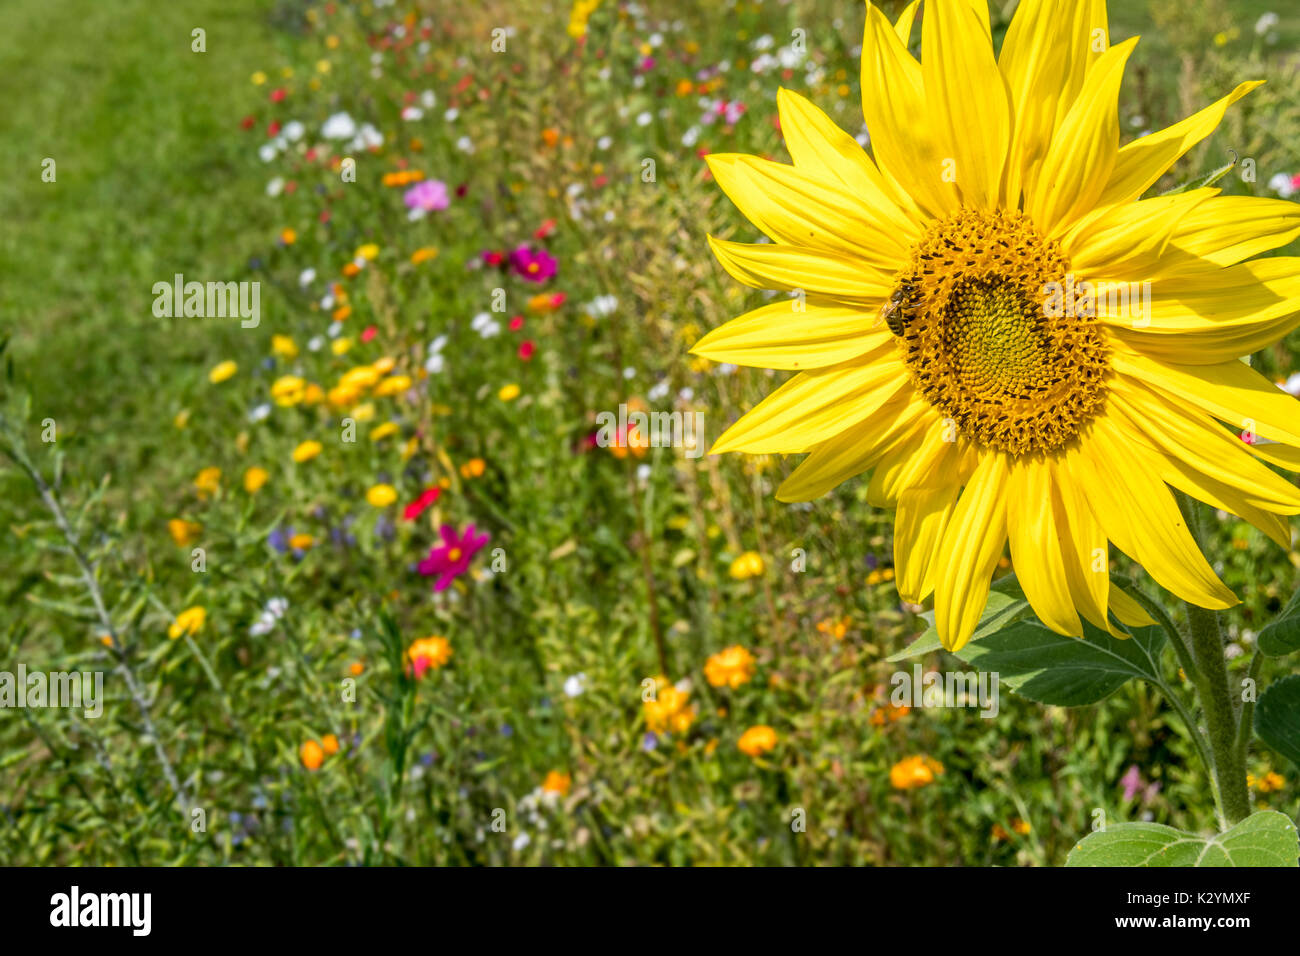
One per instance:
(990, 319)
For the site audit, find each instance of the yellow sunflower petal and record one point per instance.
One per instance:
(968, 98)
(766, 265)
(1207, 318)
(906, 19)
(1085, 548)
(1127, 609)
(795, 334)
(1129, 241)
(972, 544)
(1145, 160)
(1225, 230)
(814, 406)
(923, 516)
(1045, 48)
(1140, 515)
(896, 111)
(1036, 551)
(857, 448)
(821, 148)
(1232, 392)
(796, 208)
(939, 452)
(1084, 149)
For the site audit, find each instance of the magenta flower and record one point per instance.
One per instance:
(535, 265)
(452, 557)
(427, 196)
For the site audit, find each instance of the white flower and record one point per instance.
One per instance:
(275, 186)
(412, 113)
(307, 276)
(451, 114)
(293, 131)
(339, 126)
(1281, 184)
(266, 153)
(1266, 22)
(521, 841)
(428, 99)
(315, 343)
(601, 306)
(367, 138)
(575, 684)
(259, 412)
(604, 143)
(485, 325)
(658, 391)
(644, 118)
(465, 144)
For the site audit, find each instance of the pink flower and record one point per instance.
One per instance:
(429, 195)
(534, 265)
(526, 349)
(452, 557)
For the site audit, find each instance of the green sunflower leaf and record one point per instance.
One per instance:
(1282, 634)
(1005, 606)
(1267, 838)
(1036, 662)
(1277, 717)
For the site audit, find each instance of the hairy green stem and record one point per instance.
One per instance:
(1221, 717)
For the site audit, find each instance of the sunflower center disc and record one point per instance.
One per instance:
(992, 335)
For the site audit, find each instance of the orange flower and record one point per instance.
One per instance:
(757, 741)
(330, 744)
(312, 755)
(731, 667)
(558, 783)
(356, 668)
(473, 468)
(913, 772)
(183, 532)
(428, 653)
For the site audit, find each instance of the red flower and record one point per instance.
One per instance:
(420, 504)
(369, 333)
(526, 350)
(248, 122)
(516, 323)
(545, 229)
(278, 94)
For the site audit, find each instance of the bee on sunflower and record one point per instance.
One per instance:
(934, 349)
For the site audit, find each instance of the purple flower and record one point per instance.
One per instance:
(429, 195)
(533, 265)
(452, 557)
(1131, 782)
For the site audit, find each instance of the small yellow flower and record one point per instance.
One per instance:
(368, 252)
(748, 565)
(182, 418)
(306, 451)
(184, 533)
(380, 432)
(509, 392)
(394, 385)
(384, 365)
(208, 481)
(287, 390)
(222, 371)
(254, 478)
(189, 621)
(363, 413)
(258, 78)
(669, 711)
(730, 668)
(360, 377)
(757, 741)
(283, 347)
(1266, 784)
(423, 255)
(913, 772)
(341, 346)
(381, 496)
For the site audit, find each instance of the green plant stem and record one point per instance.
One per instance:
(1221, 718)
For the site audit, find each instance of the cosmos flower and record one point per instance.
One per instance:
(533, 265)
(994, 322)
(451, 558)
(428, 653)
(427, 196)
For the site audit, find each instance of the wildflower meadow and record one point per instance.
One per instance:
(382, 483)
